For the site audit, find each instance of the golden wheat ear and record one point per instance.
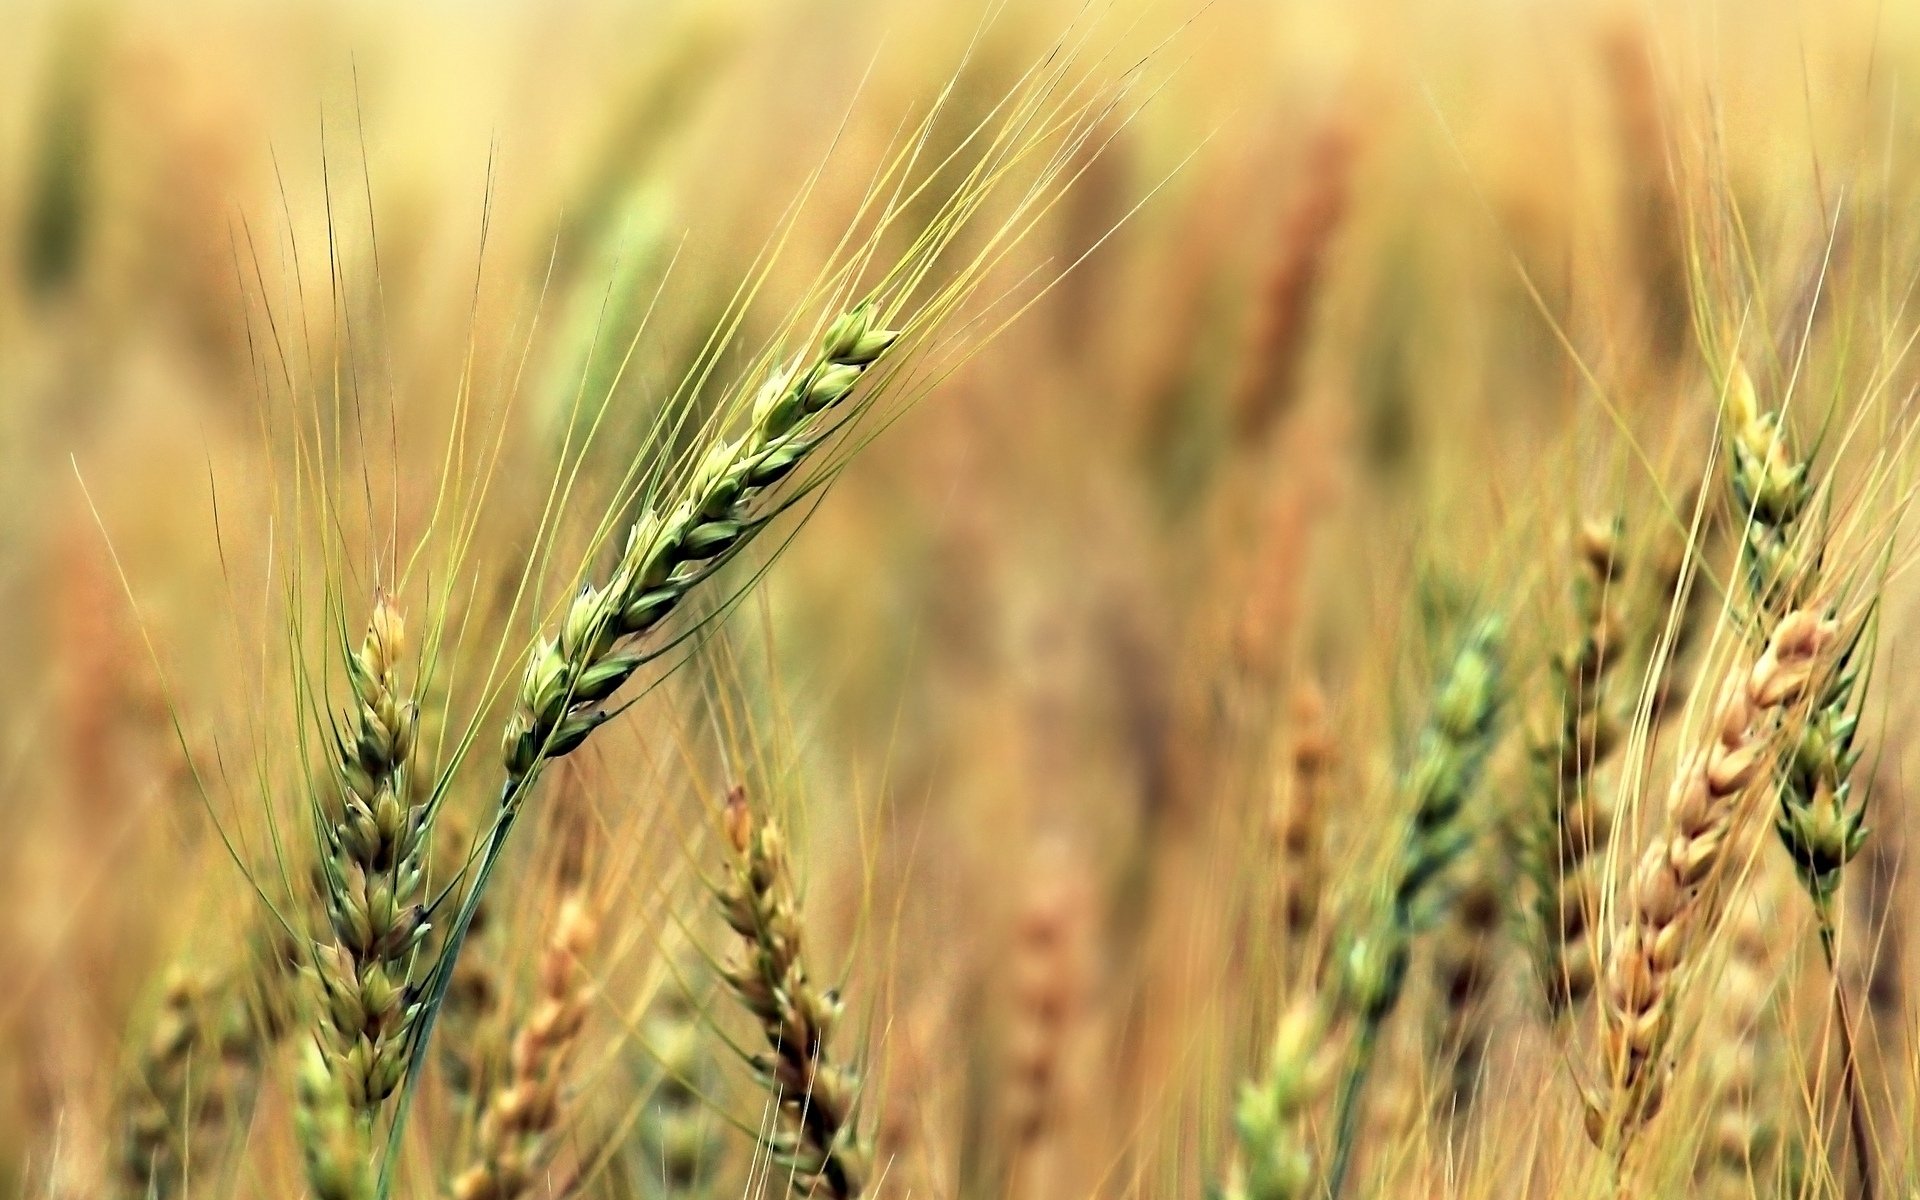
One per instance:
(1669, 902)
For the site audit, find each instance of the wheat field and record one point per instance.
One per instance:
(958, 599)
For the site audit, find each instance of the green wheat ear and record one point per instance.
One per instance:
(1819, 820)
(691, 524)
(1462, 727)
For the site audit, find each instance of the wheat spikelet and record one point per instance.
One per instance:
(1666, 906)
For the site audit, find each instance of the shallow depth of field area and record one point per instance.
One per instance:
(966, 600)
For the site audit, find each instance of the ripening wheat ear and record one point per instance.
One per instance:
(818, 1143)
(1667, 906)
(1576, 733)
(519, 1131)
(195, 1073)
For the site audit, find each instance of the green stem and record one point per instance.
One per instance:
(1849, 1062)
(1348, 1110)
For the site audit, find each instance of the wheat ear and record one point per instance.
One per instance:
(517, 1133)
(1667, 905)
(1443, 776)
(1819, 822)
(195, 1071)
(1275, 1159)
(671, 549)
(1576, 736)
(818, 1143)
(372, 870)
(370, 873)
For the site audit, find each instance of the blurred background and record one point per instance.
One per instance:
(1349, 315)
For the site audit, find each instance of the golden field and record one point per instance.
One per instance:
(708, 598)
